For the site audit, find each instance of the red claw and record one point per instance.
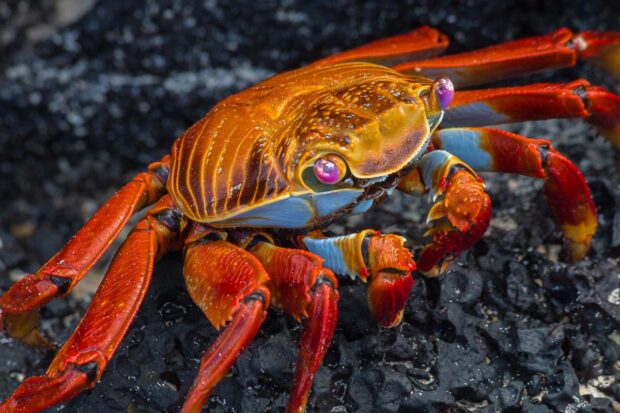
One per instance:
(391, 282)
(467, 212)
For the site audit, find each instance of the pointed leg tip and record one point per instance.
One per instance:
(38, 393)
(577, 251)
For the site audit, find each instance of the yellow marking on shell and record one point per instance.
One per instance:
(217, 171)
(201, 173)
(229, 180)
(189, 177)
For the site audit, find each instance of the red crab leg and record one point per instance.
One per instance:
(461, 209)
(418, 44)
(228, 284)
(301, 286)
(595, 104)
(566, 190)
(80, 362)
(65, 269)
(521, 57)
(368, 254)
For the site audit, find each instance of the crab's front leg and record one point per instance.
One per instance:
(383, 259)
(566, 191)
(461, 210)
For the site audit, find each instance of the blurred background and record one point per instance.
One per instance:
(91, 91)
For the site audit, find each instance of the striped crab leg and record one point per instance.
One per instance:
(382, 260)
(577, 99)
(565, 188)
(558, 49)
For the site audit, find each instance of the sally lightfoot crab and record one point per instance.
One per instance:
(246, 192)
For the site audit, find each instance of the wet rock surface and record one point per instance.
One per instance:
(90, 100)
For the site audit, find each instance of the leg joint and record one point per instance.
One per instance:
(580, 91)
(62, 283)
(161, 173)
(322, 279)
(90, 369)
(543, 151)
(258, 295)
(170, 218)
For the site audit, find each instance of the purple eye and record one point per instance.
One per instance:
(326, 171)
(444, 89)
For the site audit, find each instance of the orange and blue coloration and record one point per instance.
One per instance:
(247, 191)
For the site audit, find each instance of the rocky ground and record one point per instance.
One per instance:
(91, 91)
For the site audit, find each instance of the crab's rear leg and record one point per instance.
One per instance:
(304, 288)
(577, 99)
(558, 49)
(565, 188)
(421, 43)
(80, 362)
(228, 284)
(460, 211)
(65, 269)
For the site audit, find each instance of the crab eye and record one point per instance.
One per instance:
(329, 170)
(444, 90)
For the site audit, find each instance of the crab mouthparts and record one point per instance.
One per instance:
(434, 121)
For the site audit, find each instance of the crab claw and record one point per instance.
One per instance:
(461, 213)
(390, 264)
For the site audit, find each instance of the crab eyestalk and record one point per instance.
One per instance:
(444, 92)
(329, 170)
(438, 100)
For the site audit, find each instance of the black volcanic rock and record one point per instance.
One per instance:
(88, 101)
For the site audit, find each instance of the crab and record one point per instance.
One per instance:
(247, 192)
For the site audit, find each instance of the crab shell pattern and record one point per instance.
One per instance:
(248, 190)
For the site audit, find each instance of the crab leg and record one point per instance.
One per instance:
(554, 50)
(368, 254)
(418, 44)
(461, 209)
(228, 284)
(566, 190)
(577, 99)
(303, 287)
(80, 362)
(64, 270)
